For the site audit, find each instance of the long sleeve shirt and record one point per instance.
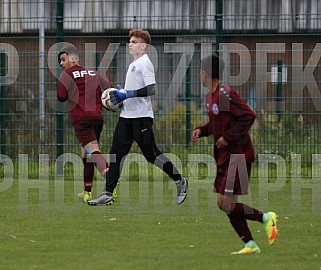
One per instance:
(82, 89)
(230, 117)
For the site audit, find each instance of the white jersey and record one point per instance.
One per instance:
(140, 73)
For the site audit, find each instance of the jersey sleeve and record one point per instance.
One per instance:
(64, 82)
(243, 114)
(205, 130)
(148, 73)
(104, 83)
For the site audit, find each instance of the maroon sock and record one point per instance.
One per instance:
(240, 226)
(88, 185)
(88, 174)
(100, 162)
(247, 212)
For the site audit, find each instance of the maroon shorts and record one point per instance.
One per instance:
(232, 180)
(88, 131)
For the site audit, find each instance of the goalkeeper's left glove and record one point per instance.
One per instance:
(120, 95)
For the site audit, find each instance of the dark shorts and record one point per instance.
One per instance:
(88, 131)
(232, 180)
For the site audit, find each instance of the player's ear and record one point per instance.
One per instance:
(72, 59)
(143, 46)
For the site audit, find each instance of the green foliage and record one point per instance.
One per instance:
(172, 128)
(289, 136)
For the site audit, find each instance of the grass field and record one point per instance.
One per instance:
(144, 229)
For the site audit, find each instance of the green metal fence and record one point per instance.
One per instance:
(271, 48)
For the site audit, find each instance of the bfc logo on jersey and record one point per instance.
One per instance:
(82, 73)
(215, 109)
(133, 69)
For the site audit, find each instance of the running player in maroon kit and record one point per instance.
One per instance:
(82, 89)
(230, 119)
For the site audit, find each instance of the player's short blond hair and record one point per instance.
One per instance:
(140, 33)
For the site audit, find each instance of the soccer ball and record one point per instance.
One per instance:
(105, 100)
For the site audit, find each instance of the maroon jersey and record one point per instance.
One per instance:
(82, 88)
(230, 117)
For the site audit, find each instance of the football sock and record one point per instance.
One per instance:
(89, 169)
(247, 212)
(100, 163)
(240, 226)
(88, 185)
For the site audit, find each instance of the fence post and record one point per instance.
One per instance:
(188, 105)
(97, 60)
(279, 91)
(59, 113)
(3, 103)
(219, 25)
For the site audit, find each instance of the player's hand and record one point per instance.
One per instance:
(221, 143)
(195, 135)
(117, 96)
(129, 93)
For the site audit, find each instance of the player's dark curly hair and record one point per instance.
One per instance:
(213, 66)
(69, 49)
(140, 33)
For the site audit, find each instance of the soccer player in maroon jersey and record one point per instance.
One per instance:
(230, 119)
(82, 88)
